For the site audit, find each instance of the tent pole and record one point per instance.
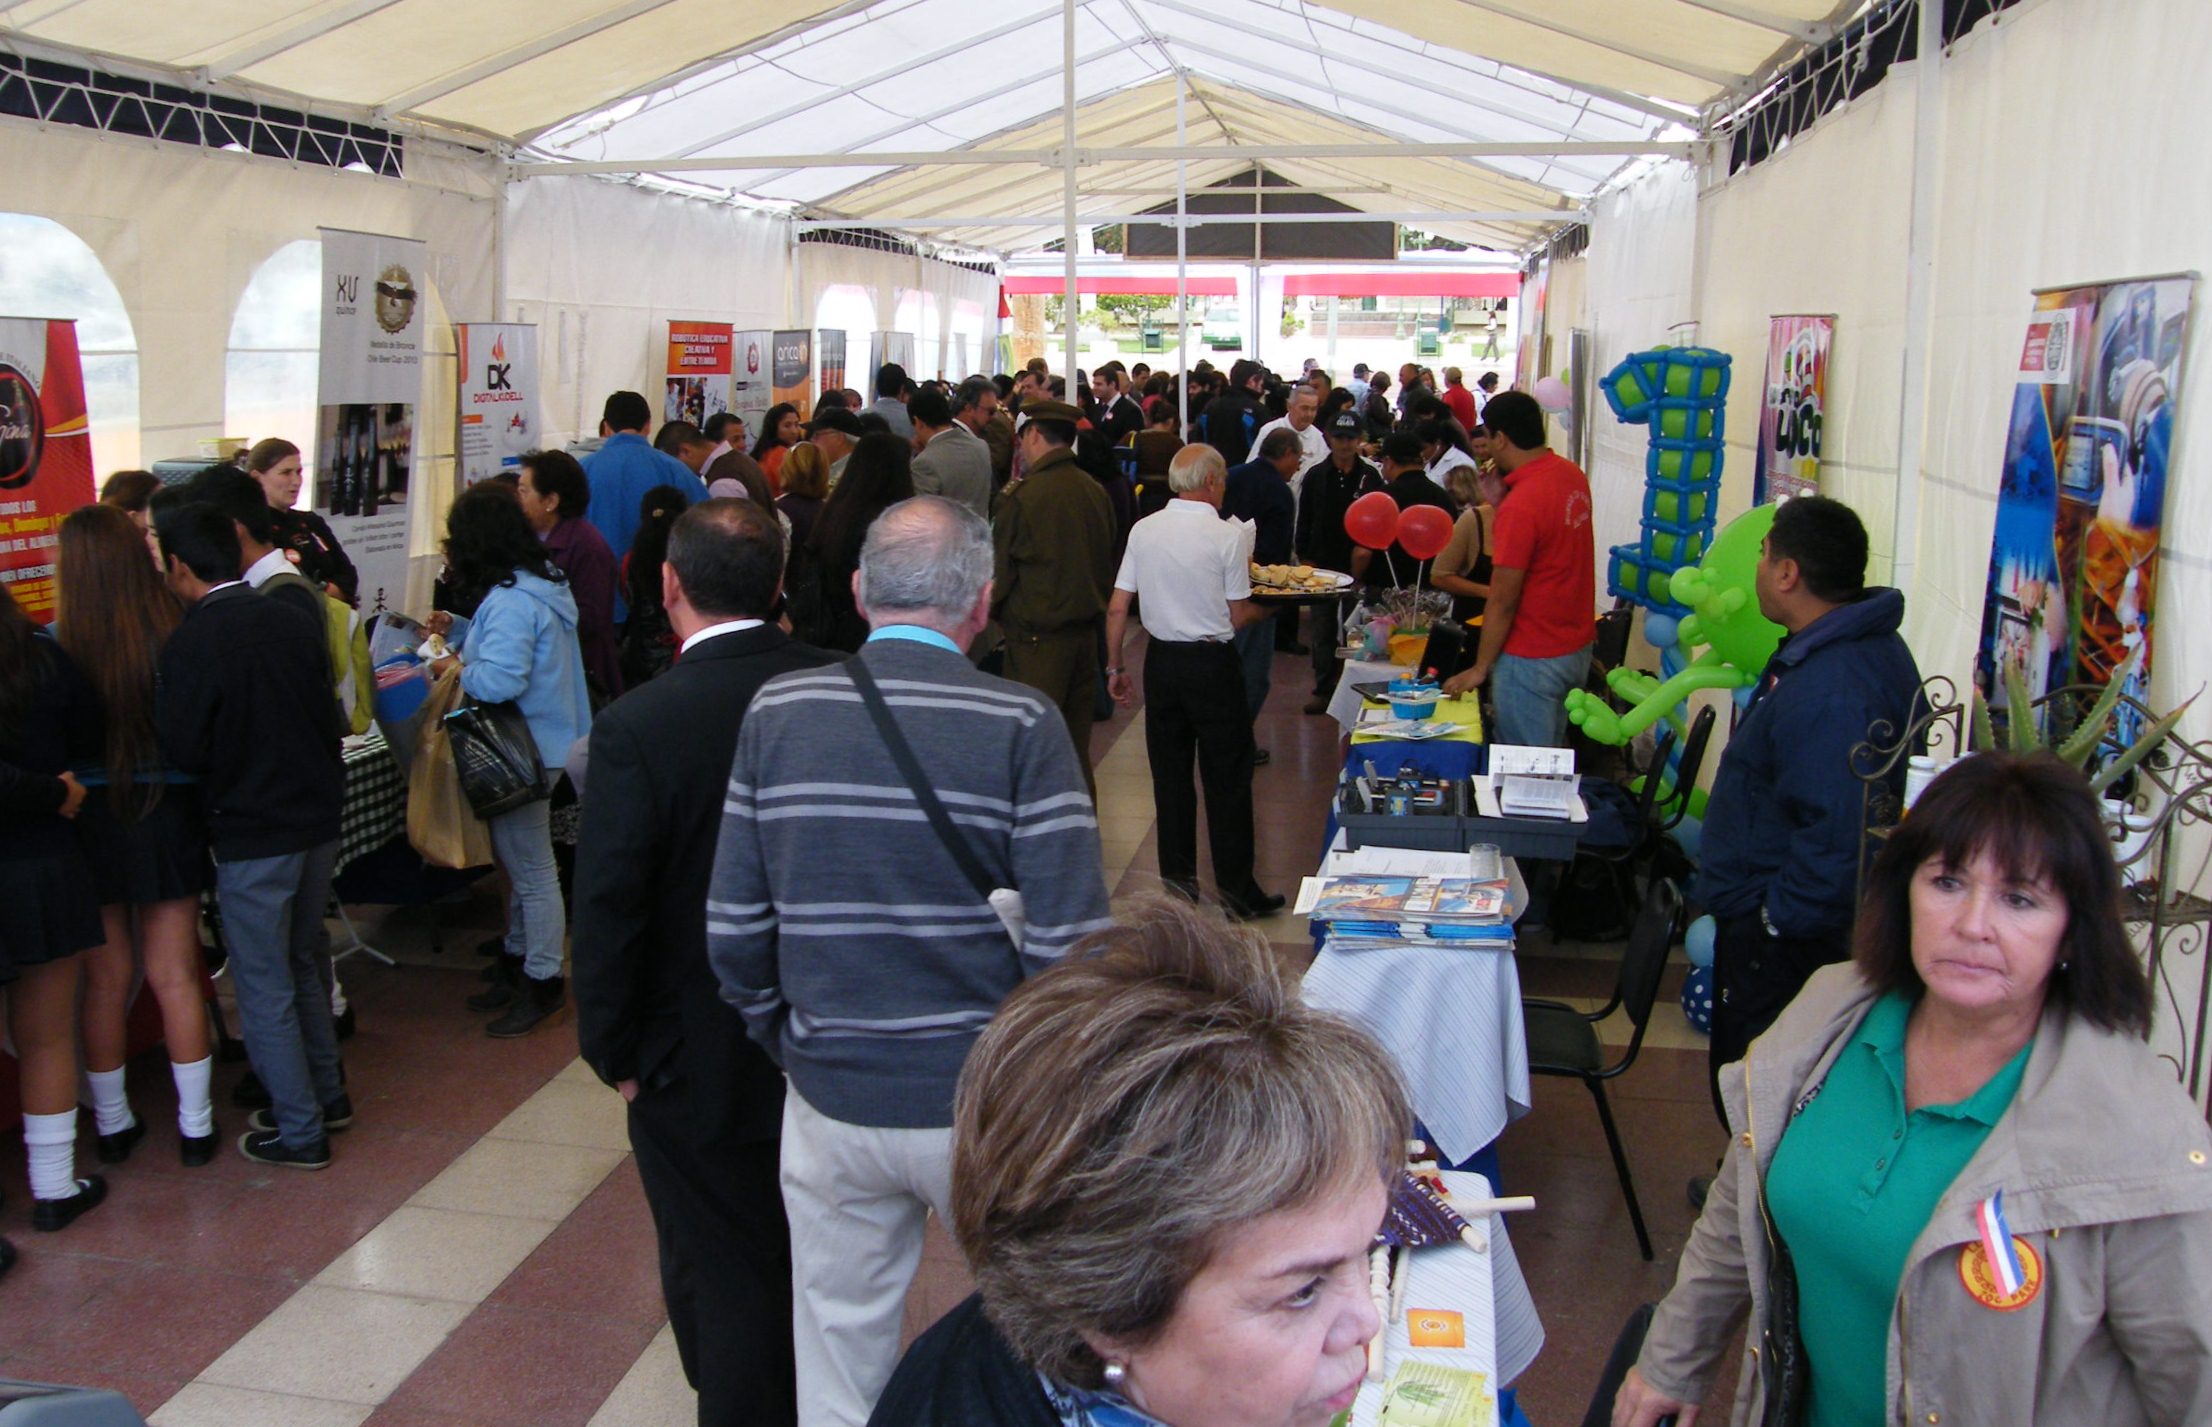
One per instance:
(499, 252)
(1252, 307)
(1927, 135)
(1067, 169)
(1182, 265)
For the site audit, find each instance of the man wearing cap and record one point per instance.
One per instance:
(892, 391)
(1330, 489)
(1406, 478)
(1259, 492)
(1233, 417)
(836, 431)
(1055, 570)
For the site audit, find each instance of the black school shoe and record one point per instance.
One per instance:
(535, 1002)
(196, 1151)
(267, 1147)
(1254, 905)
(48, 1215)
(115, 1148)
(336, 1116)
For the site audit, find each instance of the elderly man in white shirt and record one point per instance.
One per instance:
(1302, 405)
(1192, 572)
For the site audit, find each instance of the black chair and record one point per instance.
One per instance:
(1626, 1348)
(1564, 1041)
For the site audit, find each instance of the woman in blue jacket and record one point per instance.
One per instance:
(519, 645)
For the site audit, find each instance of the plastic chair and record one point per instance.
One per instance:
(1564, 1041)
(1626, 1348)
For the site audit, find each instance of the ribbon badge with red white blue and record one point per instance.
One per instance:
(1999, 1271)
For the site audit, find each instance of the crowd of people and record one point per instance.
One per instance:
(891, 625)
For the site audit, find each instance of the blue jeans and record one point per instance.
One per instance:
(537, 923)
(1255, 645)
(273, 920)
(1530, 695)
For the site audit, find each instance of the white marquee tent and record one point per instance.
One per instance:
(600, 167)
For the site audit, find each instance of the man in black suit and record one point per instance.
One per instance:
(706, 1105)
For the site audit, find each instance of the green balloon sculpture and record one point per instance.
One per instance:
(1722, 593)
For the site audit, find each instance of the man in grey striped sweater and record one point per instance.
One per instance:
(859, 953)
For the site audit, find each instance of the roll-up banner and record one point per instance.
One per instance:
(791, 370)
(698, 371)
(45, 453)
(370, 379)
(752, 377)
(1793, 410)
(498, 396)
(829, 357)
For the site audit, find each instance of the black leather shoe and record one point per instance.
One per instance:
(47, 1215)
(1255, 904)
(196, 1150)
(265, 1147)
(500, 993)
(249, 1093)
(343, 1025)
(336, 1116)
(115, 1148)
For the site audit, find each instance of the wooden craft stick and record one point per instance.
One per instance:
(1511, 1204)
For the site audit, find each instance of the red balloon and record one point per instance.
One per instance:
(1424, 531)
(1372, 520)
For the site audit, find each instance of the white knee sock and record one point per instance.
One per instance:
(337, 998)
(195, 1114)
(51, 1142)
(111, 1109)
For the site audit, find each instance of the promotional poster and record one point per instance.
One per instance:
(752, 383)
(890, 347)
(498, 390)
(698, 371)
(45, 453)
(370, 379)
(2073, 565)
(791, 371)
(1793, 409)
(829, 352)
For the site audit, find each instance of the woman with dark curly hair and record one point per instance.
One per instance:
(519, 646)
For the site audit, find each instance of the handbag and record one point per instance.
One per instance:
(1782, 1366)
(1005, 901)
(441, 825)
(496, 757)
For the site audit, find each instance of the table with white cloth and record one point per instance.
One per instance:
(1484, 1287)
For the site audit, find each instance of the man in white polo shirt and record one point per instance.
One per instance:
(1192, 571)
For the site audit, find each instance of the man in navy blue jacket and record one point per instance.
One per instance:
(1259, 491)
(1783, 826)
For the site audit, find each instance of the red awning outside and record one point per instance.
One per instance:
(1121, 286)
(1402, 284)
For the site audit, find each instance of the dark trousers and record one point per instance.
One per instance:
(1325, 632)
(1754, 977)
(1063, 666)
(1285, 625)
(725, 1254)
(1194, 703)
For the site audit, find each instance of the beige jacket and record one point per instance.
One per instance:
(2104, 1166)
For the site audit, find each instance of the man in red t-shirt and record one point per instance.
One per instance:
(1458, 398)
(1538, 625)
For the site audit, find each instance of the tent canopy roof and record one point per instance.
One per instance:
(650, 83)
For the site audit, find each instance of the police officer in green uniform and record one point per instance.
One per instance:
(1055, 570)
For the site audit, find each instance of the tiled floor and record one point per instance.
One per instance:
(480, 1252)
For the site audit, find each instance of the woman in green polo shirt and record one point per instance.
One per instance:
(1996, 1201)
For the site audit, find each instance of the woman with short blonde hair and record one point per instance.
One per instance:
(1152, 1131)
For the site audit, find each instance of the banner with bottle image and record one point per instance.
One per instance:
(829, 359)
(752, 378)
(370, 378)
(1793, 408)
(698, 371)
(791, 370)
(2073, 564)
(45, 453)
(498, 389)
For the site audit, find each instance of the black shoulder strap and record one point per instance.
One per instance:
(910, 768)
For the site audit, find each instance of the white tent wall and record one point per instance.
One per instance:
(181, 231)
(602, 267)
(887, 277)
